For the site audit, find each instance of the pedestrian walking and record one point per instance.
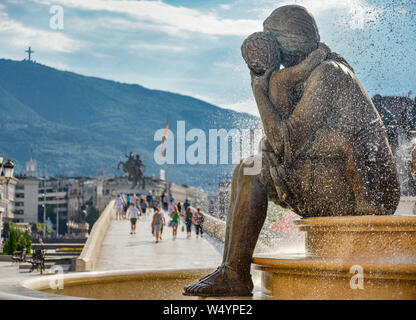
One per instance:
(132, 214)
(119, 203)
(165, 201)
(174, 222)
(188, 221)
(199, 219)
(143, 206)
(162, 212)
(157, 222)
(186, 204)
(170, 207)
(126, 206)
(149, 199)
(134, 199)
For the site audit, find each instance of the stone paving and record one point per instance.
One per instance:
(11, 288)
(122, 251)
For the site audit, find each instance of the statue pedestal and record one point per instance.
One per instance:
(338, 251)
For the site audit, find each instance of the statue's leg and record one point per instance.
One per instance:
(353, 153)
(245, 219)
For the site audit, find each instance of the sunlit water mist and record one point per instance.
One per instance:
(292, 242)
(403, 155)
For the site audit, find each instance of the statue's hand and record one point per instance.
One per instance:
(260, 83)
(324, 47)
(319, 55)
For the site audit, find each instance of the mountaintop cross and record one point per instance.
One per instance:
(29, 52)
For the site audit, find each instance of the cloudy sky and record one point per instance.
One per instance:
(193, 47)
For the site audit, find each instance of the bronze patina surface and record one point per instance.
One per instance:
(325, 152)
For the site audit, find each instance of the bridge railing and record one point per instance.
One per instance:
(213, 226)
(89, 255)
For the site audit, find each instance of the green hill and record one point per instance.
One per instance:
(79, 125)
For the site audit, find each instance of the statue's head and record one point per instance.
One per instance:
(296, 32)
(261, 52)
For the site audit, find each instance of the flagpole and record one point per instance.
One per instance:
(164, 141)
(167, 181)
(166, 175)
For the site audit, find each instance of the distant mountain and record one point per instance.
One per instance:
(79, 125)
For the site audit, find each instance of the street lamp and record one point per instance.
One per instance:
(7, 169)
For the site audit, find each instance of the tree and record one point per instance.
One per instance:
(34, 228)
(26, 241)
(92, 215)
(11, 244)
(6, 230)
(37, 228)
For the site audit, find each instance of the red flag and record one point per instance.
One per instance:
(165, 136)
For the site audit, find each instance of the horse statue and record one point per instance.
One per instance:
(134, 167)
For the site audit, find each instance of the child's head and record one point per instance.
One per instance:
(261, 52)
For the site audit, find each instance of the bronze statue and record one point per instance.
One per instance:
(325, 153)
(134, 167)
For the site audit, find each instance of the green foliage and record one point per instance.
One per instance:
(34, 228)
(10, 245)
(92, 215)
(17, 241)
(6, 229)
(37, 228)
(26, 241)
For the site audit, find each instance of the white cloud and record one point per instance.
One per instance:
(249, 106)
(357, 12)
(18, 35)
(157, 47)
(178, 19)
(225, 6)
(228, 65)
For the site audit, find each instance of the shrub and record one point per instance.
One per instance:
(17, 241)
(10, 245)
(6, 230)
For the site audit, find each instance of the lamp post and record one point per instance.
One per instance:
(6, 174)
(7, 169)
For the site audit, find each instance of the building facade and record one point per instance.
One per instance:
(27, 199)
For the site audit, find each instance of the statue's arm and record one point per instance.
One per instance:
(271, 119)
(317, 100)
(290, 76)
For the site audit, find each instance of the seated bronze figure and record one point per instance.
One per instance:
(325, 152)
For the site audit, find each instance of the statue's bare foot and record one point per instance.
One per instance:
(222, 282)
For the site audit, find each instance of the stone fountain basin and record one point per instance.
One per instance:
(382, 247)
(120, 285)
